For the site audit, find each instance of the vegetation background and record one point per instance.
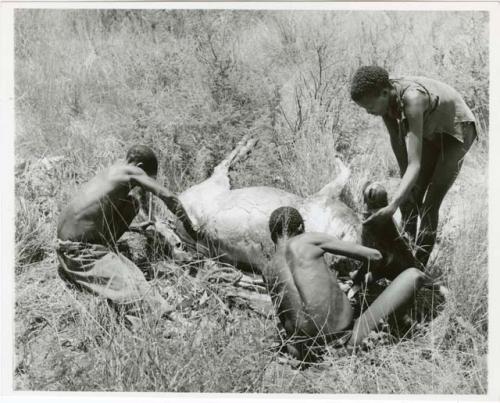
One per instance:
(89, 83)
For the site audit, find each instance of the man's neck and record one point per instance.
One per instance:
(281, 242)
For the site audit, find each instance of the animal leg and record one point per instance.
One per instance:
(219, 181)
(333, 189)
(244, 147)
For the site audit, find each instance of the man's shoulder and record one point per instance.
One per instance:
(415, 94)
(105, 181)
(432, 85)
(305, 241)
(415, 101)
(297, 241)
(305, 246)
(422, 80)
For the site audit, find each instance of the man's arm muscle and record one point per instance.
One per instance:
(349, 249)
(172, 201)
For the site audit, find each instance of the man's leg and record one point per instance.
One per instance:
(446, 171)
(394, 297)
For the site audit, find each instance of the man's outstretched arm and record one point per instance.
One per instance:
(170, 199)
(175, 206)
(349, 249)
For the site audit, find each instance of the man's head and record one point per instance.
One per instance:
(285, 221)
(371, 89)
(374, 196)
(143, 157)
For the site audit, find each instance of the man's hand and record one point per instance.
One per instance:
(141, 226)
(384, 213)
(374, 255)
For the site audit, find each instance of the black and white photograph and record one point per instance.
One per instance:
(251, 200)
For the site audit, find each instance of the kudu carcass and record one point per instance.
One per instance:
(233, 223)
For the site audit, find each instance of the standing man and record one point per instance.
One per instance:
(431, 129)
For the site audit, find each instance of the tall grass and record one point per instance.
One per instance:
(191, 84)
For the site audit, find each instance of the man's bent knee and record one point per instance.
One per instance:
(418, 277)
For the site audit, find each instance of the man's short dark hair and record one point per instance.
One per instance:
(144, 157)
(285, 221)
(374, 195)
(369, 80)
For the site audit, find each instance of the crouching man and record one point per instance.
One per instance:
(310, 305)
(93, 222)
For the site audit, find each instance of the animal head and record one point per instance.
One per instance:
(172, 239)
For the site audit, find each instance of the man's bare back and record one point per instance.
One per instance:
(300, 262)
(308, 300)
(103, 209)
(97, 217)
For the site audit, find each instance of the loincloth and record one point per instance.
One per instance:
(465, 132)
(104, 272)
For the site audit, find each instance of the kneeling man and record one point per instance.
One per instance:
(97, 217)
(309, 302)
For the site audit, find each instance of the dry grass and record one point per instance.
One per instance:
(90, 84)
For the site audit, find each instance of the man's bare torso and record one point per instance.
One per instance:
(102, 210)
(310, 300)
